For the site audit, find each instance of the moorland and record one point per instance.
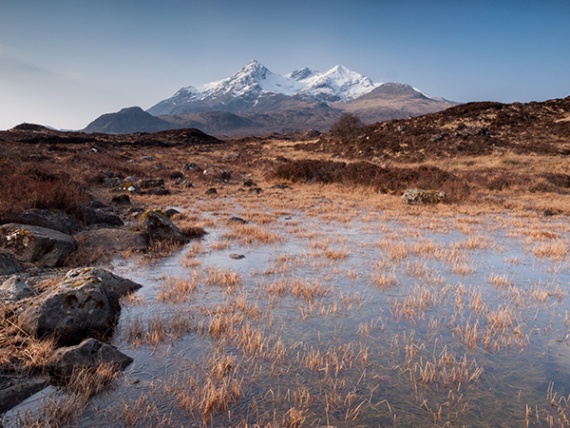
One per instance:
(305, 291)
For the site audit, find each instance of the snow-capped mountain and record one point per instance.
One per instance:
(257, 101)
(242, 92)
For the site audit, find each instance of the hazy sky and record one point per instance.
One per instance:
(65, 62)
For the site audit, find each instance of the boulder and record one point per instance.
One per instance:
(111, 240)
(15, 389)
(100, 216)
(50, 219)
(14, 289)
(89, 354)
(110, 282)
(121, 199)
(419, 196)
(160, 228)
(35, 244)
(84, 304)
(8, 263)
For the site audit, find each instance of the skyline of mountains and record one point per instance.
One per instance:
(255, 100)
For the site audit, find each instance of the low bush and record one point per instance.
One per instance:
(387, 180)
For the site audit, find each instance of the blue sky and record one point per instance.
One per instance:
(65, 62)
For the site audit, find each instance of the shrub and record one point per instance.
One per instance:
(347, 126)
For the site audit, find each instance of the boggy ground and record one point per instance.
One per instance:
(286, 192)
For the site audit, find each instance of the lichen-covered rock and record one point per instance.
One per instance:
(84, 304)
(89, 354)
(419, 196)
(160, 228)
(8, 263)
(110, 282)
(14, 289)
(35, 244)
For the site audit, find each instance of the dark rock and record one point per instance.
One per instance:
(111, 240)
(50, 219)
(192, 166)
(149, 183)
(256, 190)
(35, 244)
(158, 191)
(89, 354)
(249, 183)
(282, 186)
(15, 389)
(159, 227)
(8, 263)
(84, 304)
(212, 191)
(236, 220)
(14, 289)
(121, 198)
(549, 213)
(176, 175)
(100, 216)
(237, 256)
(95, 204)
(171, 211)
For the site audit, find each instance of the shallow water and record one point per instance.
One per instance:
(370, 322)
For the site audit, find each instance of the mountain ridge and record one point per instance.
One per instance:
(254, 100)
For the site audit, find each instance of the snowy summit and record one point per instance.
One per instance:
(254, 80)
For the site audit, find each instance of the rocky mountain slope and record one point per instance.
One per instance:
(257, 101)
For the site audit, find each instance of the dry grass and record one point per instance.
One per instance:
(177, 290)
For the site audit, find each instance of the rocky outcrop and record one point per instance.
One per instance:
(8, 263)
(35, 244)
(84, 304)
(419, 196)
(89, 354)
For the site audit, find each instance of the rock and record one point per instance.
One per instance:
(35, 244)
(121, 199)
(8, 263)
(100, 216)
(50, 219)
(249, 183)
(171, 211)
(110, 282)
(95, 204)
(192, 166)
(15, 389)
(159, 227)
(237, 256)
(212, 191)
(84, 304)
(158, 191)
(236, 220)
(149, 183)
(111, 240)
(14, 289)
(89, 354)
(256, 190)
(419, 196)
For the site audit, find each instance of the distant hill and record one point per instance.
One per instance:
(127, 121)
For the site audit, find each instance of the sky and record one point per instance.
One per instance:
(63, 63)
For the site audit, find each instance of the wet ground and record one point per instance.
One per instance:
(352, 318)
